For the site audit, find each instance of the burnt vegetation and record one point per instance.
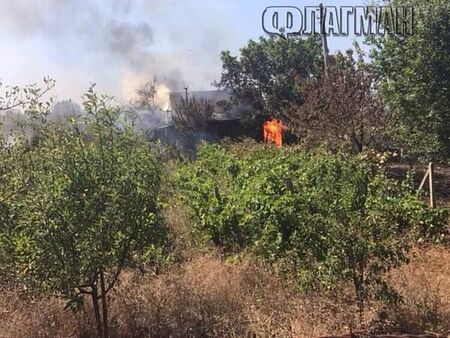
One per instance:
(341, 110)
(193, 114)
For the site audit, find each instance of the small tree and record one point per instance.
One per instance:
(341, 109)
(193, 114)
(145, 97)
(91, 204)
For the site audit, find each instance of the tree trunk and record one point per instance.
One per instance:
(104, 305)
(361, 306)
(360, 293)
(97, 311)
(359, 297)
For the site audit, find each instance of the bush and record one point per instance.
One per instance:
(88, 202)
(328, 216)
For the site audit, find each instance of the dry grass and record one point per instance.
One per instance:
(200, 295)
(205, 297)
(202, 298)
(42, 318)
(424, 285)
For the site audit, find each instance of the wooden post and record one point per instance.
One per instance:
(431, 181)
(430, 175)
(424, 179)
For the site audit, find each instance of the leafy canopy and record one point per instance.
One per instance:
(264, 74)
(91, 201)
(414, 78)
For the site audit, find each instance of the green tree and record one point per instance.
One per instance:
(265, 72)
(7, 192)
(414, 77)
(91, 203)
(14, 101)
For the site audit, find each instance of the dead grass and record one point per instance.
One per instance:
(200, 295)
(42, 318)
(202, 298)
(205, 297)
(424, 285)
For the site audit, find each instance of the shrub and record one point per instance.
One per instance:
(90, 203)
(341, 110)
(329, 216)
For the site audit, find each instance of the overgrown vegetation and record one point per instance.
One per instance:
(329, 217)
(83, 198)
(307, 239)
(81, 201)
(342, 110)
(413, 73)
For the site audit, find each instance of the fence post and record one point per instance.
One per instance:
(431, 181)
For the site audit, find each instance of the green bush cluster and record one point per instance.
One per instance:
(331, 216)
(77, 202)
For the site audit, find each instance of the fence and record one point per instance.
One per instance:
(430, 175)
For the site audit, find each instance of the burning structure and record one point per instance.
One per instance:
(225, 121)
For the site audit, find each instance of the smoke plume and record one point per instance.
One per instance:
(118, 44)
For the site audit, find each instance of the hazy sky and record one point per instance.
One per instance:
(119, 44)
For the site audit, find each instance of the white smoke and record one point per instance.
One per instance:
(118, 44)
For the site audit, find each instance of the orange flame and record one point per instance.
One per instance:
(273, 131)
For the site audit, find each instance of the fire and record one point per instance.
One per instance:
(273, 131)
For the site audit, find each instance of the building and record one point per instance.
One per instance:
(226, 121)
